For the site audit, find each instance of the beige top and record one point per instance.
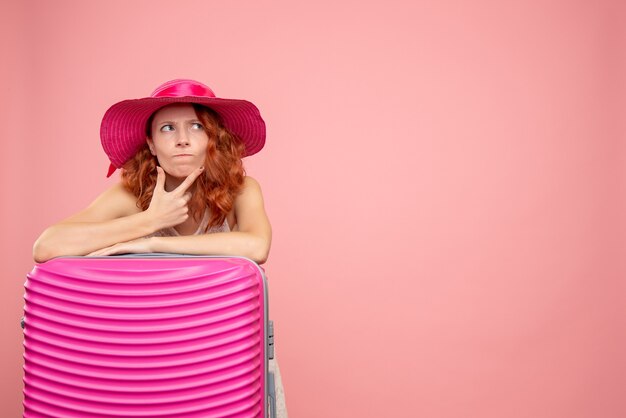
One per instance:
(172, 232)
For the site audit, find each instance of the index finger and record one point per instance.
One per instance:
(160, 181)
(182, 187)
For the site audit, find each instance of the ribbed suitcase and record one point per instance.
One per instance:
(151, 335)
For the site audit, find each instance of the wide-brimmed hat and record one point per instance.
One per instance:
(123, 128)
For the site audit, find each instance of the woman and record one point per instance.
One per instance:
(181, 167)
(183, 188)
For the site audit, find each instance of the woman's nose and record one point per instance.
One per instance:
(182, 139)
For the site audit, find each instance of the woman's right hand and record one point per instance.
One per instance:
(168, 209)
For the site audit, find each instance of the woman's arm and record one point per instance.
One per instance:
(115, 218)
(252, 238)
(111, 218)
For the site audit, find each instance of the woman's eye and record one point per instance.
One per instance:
(197, 125)
(167, 128)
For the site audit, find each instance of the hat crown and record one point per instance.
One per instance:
(182, 88)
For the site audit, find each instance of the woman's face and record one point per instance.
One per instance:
(179, 140)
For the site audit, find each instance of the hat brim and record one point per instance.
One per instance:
(123, 127)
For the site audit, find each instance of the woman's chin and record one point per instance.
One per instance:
(180, 172)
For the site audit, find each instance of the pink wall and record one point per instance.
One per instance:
(446, 182)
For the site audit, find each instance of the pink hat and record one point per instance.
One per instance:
(123, 128)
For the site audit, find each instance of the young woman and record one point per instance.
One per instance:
(183, 188)
(180, 151)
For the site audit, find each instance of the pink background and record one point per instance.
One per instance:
(446, 182)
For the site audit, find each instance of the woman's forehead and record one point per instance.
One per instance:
(175, 111)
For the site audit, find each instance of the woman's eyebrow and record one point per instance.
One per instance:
(173, 123)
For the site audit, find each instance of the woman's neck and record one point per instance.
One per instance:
(172, 182)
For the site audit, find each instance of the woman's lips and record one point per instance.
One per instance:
(183, 155)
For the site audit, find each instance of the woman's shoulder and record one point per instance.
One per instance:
(250, 194)
(117, 193)
(114, 202)
(120, 195)
(250, 183)
(250, 190)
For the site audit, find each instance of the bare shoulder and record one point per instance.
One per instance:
(251, 191)
(115, 202)
(121, 197)
(250, 210)
(251, 183)
(250, 199)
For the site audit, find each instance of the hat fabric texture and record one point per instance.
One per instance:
(123, 127)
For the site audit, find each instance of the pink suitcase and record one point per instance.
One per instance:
(151, 335)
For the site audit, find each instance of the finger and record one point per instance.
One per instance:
(187, 197)
(160, 182)
(108, 251)
(102, 251)
(190, 179)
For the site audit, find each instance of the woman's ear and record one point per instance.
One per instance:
(150, 145)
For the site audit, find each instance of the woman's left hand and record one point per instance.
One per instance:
(141, 245)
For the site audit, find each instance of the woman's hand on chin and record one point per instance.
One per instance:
(140, 245)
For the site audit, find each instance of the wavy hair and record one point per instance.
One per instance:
(216, 188)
